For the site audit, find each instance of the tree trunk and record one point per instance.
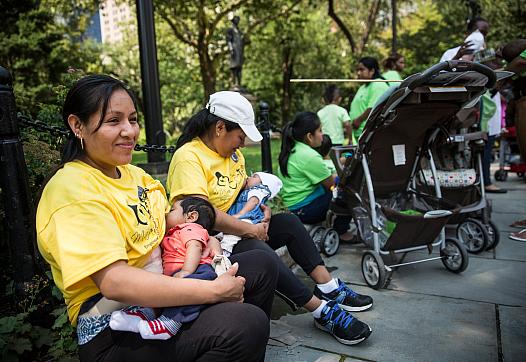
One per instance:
(208, 72)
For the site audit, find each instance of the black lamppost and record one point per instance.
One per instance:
(150, 87)
(18, 207)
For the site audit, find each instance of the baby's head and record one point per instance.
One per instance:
(192, 209)
(253, 181)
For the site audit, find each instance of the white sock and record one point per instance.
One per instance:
(127, 321)
(329, 286)
(316, 313)
(158, 328)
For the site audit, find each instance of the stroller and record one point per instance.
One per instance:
(378, 181)
(458, 158)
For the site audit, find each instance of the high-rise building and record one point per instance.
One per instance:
(94, 31)
(115, 17)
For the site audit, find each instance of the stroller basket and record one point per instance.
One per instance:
(414, 230)
(418, 224)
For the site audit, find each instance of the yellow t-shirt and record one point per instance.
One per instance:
(197, 170)
(86, 221)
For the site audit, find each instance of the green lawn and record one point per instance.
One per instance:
(252, 156)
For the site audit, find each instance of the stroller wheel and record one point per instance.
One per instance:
(493, 235)
(316, 233)
(454, 256)
(501, 175)
(473, 234)
(373, 270)
(330, 242)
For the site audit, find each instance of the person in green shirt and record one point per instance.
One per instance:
(367, 94)
(334, 119)
(307, 181)
(393, 65)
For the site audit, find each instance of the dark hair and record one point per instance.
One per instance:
(472, 23)
(371, 63)
(331, 93)
(199, 124)
(295, 131)
(512, 50)
(325, 147)
(390, 61)
(205, 211)
(85, 98)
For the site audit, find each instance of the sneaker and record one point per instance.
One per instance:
(519, 236)
(155, 329)
(342, 325)
(347, 298)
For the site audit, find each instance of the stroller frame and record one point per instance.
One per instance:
(452, 252)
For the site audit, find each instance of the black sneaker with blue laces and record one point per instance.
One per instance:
(342, 325)
(347, 298)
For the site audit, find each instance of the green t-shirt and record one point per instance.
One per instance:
(487, 110)
(366, 97)
(332, 119)
(306, 170)
(392, 75)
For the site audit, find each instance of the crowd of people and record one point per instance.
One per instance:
(150, 273)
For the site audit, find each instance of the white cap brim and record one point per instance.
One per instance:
(252, 132)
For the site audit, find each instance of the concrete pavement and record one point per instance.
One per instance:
(427, 313)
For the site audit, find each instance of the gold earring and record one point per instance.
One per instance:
(81, 140)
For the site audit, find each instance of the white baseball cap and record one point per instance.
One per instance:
(273, 182)
(233, 107)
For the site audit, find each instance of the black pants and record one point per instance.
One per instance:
(316, 212)
(222, 332)
(287, 229)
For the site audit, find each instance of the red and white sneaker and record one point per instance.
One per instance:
(155, 329)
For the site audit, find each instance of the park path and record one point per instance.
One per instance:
(427, 313)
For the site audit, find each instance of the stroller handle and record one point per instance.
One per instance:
(454, 66)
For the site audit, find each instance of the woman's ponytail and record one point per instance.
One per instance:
(194, 127)
(296, 131)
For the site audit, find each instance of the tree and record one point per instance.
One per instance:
(38, 50)
(367, 26)
(201, 25)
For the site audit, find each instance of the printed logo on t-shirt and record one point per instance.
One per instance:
(223, 181)
(148, 227)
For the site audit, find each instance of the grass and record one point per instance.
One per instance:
(252, 155)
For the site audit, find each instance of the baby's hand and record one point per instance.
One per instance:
(181, 274)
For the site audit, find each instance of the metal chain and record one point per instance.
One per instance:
(26, 121)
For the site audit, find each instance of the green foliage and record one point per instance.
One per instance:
(21, 338)
(37, 50)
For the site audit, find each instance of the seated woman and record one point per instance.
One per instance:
(367, 94)
(307, 181)
(209, 164)
(99, 221)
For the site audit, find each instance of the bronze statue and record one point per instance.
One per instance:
(235, 41)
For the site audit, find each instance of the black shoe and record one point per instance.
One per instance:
(342, 325)
(347, 298)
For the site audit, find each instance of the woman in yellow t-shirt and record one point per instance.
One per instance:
(99, 224)
(209, 164)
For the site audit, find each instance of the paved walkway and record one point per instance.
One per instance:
(427, 313)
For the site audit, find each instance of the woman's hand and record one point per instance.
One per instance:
(267, 212)
(229, 287)
(257, 231)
